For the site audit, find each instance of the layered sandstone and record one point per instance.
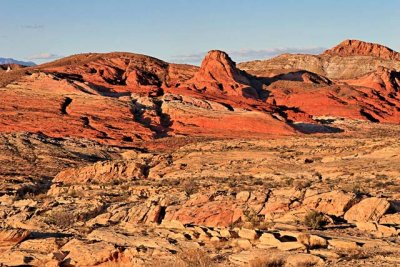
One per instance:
(349, 59)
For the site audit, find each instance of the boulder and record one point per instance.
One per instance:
(390, 219)
(82, 253)
(342, 244)
(289, 246)
(247, 234)
(301, 259)
(269, 239)
(332, 203)
(369, 209)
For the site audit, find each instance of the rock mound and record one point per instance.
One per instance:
(218, 73)
(360, 48)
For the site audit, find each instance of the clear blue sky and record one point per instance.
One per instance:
(182, 30)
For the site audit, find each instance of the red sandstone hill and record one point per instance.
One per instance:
(123, 98)
(360, 48)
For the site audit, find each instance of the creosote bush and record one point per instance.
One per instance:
(314, 220)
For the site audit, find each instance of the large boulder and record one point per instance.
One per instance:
(333, 203)
(369, 209)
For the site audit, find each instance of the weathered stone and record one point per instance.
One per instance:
(366, 226)
(243, 196)
(269, 239)
(39, 245)
(102, 172)
(342, 244)
(312, 241)
(225, 233)
(390, 219)
(173, 224)
(325, 253)
(243, 243)
(298, 260)
(288, 246)
(82, 253)
(332, 203)
(369, 209)
(247, 234)
(385, 231)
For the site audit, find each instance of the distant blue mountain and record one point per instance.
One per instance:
(13, 61)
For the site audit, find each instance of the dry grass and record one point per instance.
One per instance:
(188, 258)
(266, 261)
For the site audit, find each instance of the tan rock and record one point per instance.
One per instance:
(269, 239)
(243, 196)
(299, 260)
(39, 245)
(385, 231)
(390, 219)
(102, 219)
(369, 209)
(109, 236)
(289, 246)
(102, 172)
(342, 244)
(332, 203)
(366, 226)
(215, 239)
(173, 224)
(22, 258)
(25, 203)
(312, 241)
(82, 253)
(244, 243)
(325, 253)
(247, 234)
(225, 233)
(213, 233)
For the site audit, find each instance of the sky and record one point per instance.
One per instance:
(183, 31)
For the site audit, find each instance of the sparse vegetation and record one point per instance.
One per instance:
(62, 219)
(194, 258)
(314, 220)
(190, 187)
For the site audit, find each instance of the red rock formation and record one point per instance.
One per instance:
(120, 98)
(360, 48)
(218, 73)
(382, 79)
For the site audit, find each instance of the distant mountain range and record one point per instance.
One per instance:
(13, 61)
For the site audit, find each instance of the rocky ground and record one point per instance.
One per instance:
(312, 200)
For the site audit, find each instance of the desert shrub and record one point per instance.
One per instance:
(299, 185)
(256, 220)
(63, 219)
(354, 188)
(288, 181)
(190, 187)
(193, 258)
(314, 220)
